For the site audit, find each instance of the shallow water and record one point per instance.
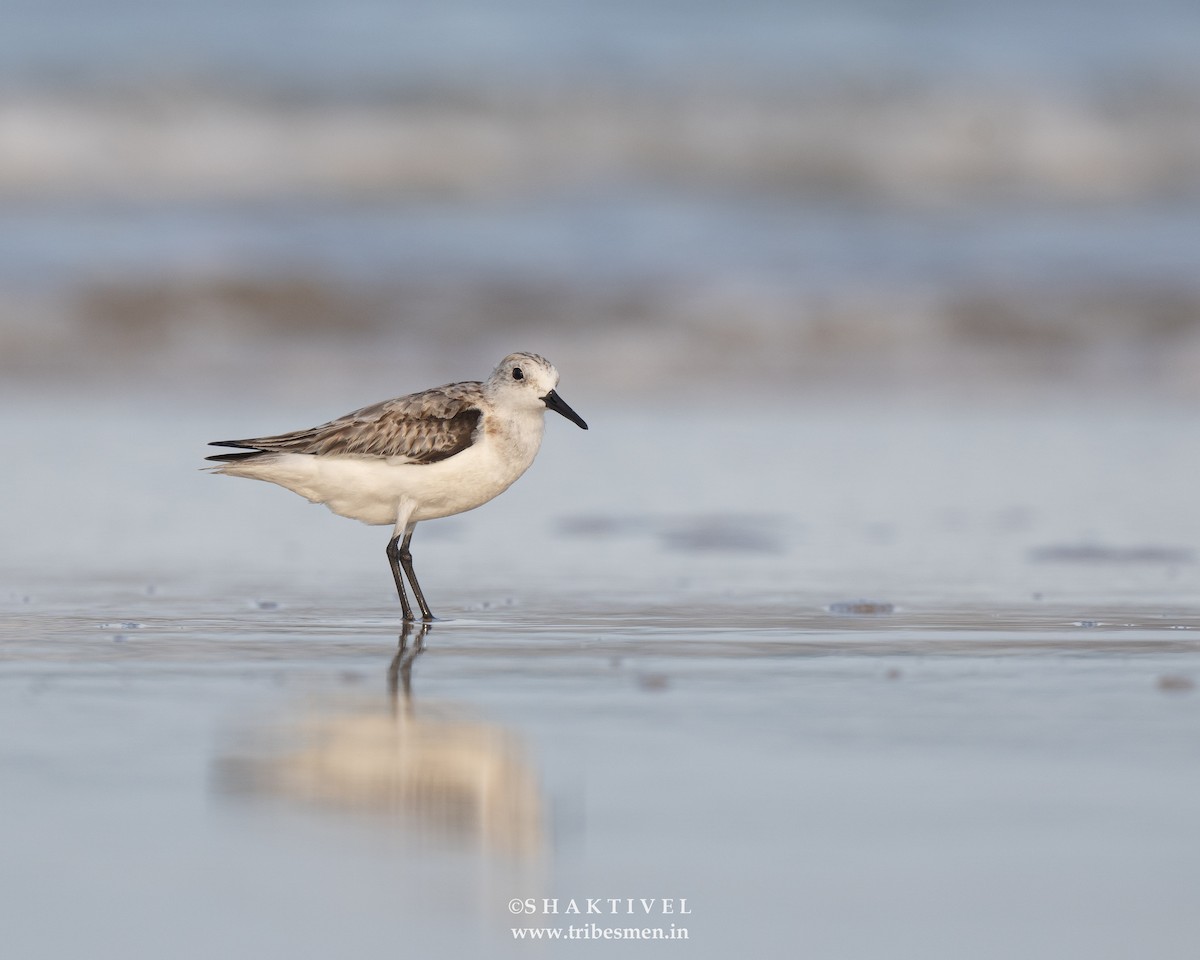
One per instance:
(896, 786)
(909, 683)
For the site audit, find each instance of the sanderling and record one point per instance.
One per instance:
(427, 455)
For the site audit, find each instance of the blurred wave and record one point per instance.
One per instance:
(773, 190)
(900, 143)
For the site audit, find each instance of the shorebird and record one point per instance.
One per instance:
(431, 454)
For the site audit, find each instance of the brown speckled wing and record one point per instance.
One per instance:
(422, 428)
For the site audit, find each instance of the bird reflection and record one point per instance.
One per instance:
(442, 775)
(400, 671)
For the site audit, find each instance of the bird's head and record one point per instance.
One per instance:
(525, 380)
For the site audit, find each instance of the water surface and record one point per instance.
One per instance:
(912, 684)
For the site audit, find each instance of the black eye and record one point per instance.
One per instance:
(517, 374)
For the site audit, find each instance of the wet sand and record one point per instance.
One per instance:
(853, 682)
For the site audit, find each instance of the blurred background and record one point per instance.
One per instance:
(905, 195)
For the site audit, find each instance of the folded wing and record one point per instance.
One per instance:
(421, 428)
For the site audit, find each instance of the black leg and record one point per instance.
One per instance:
(407, 563)
(394, 560)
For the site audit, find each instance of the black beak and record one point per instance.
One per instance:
(558, 405)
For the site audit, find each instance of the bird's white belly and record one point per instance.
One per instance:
(371, 489)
